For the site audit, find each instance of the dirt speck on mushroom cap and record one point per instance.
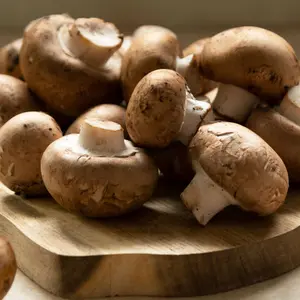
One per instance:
(243, 164)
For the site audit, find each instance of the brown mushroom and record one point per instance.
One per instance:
(102, 112)
(233, 166)
(8, 266)
(23, 140)
(97, 173)
(15, 98)
(71, 64)
(9, 59)
(150, 50)
(161, 110)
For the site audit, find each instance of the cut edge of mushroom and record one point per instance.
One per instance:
(204, 197)
(104, 138)
(195, 112)
(90, 39)
(234, 102)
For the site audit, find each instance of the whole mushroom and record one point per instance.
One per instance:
(23, 139)
(15, 98)
(233, 166)
(70, 64)
(9, 59)
(161, 110)
(257, 64)
(97, 173)
(102, 112)
(8, 266)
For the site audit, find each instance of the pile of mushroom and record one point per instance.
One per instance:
(134, 108)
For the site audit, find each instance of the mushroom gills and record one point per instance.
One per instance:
(204, 197)
(234, 102)
(290, 105)
(91, 40)
(195, 112)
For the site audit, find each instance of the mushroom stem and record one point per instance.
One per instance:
(204, 197)
(290, 105)
(195, 112)
(234, 102)
(183, 64)
(102, 137)
(91, 40)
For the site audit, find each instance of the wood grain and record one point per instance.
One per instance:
(159, 250)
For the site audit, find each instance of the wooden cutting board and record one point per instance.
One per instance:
(159, 250)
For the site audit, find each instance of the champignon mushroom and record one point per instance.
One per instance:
(253, 59)
(8, 267)
(150, 50)
(15, 98)
(23, 140)
(197, 83)
(9, 59)
(161, 110)
(125, 45)
(97, 173)
(211, 95)
(71, 64)
(103, 112)
(233, 166)
(281, 134)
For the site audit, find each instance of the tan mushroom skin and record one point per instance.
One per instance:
(65, 79)
(9, 59)
(103, 112)
(8, 267)
(234, 166)
(281, 134)
(23, 139)
(252, 58)
(15, 98)
(97, 173)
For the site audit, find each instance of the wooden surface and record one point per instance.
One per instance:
(159, 250)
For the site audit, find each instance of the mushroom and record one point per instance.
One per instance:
(15, 98)
(251, 58)
(8, 267)
(9, 59)
(72, 65)
(211, 95)
(233, 166)
(282, 134)
(103, 112)
(161, 110)
(290, 105)
(151, 49)
(97, 173)
(197, 83)
(23, 140)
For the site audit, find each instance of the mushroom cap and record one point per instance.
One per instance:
(281, 134)
(252, 58)
(8, 266)
(149, 51)
(64, 82)
(9, 59)
(97, 186)
(104, 112)
(23, 140)
(156, 109)
(243, 164)
(15, 98)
